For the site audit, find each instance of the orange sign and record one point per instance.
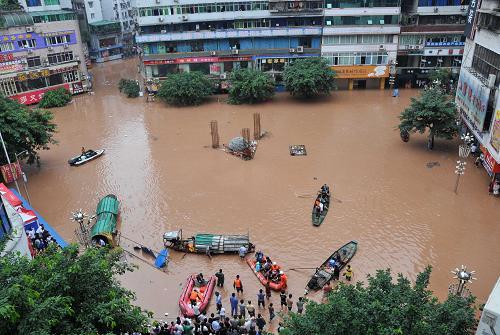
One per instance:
(362, 71)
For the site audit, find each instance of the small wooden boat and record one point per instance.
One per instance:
(324, 273)
(273, 285)
(86, 157)
(317, 218)
(205, 291)
(161, 259)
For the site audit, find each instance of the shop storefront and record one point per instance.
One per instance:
(361, 76)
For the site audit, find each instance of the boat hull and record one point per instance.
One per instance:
(274, 286)
(185, 303)
(318, 220)
(324, 274)
(76, 161)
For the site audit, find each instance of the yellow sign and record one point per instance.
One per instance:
(361, 71)
(495, 132)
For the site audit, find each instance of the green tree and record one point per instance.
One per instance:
(385, 307)
(64, 292)
(129, 87)
(309, 78)
(25, 129)
(444, 79)
(55, 98)
(433, 110)
(8, 5)
(250, 86)
(185, 88)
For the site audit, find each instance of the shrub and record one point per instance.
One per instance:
(309, 77)
(185, 89)
(129, 87)
(250, 86)
(55, 98)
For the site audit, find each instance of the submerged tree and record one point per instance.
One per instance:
(129, 87)
(64, 292)
(433, 110)
(25, 129)
(309, 78)
(185, 88)
(250, 86)
(55, 98)
(385, 307)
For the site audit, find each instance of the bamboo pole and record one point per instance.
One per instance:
(214, 131)
(245, 133)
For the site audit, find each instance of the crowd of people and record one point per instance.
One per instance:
(40, 238)
(270, 270)
(322, 200)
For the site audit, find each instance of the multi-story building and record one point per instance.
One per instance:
(109, 27)
(40, 50)
(216, 37)
(360, 39)
(431, 38)
(478, 97)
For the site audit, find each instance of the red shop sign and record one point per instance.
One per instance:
(489, 162)
(7, 174)
(34, 97)
(197, 60)
(9, 196)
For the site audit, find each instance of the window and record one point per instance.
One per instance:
(7, 46)
(91, 4)
(51, 2)
(362, 20)
(33, 3)
(92, 15)
(60, 57)
(26, 44)
(107, 42)
(359, 58)
(54, 40)
(357, 39)
(34, 61)
(486, 62)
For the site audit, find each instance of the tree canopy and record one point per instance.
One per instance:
(385, 307)
(444, 79)
(55, 98)
(309, 77)
(250, 86)
(25, 129)
(64, 292)
(433, 110)
(129, 87)
(185, 88)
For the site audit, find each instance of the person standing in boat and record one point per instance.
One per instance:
(83, 151)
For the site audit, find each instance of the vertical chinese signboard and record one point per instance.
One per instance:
(471, 18)
(472, 97)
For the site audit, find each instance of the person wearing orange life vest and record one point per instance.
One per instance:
(283, 279)
(238, 285)
(193, 297)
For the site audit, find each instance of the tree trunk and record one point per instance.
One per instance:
(430, 142)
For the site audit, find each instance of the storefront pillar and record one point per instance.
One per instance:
(382, 83)
(350, 84)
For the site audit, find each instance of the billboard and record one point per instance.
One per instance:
(361, 71)
(495, 129)
(472, 97)
(11, 172)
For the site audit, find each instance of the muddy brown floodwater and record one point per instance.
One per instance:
(158, 162)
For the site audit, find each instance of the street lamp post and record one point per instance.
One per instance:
(8, 162)
(463, 277)
(463, 153)
(25, 179)
(83, 231)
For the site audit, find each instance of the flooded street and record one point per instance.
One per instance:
(158, 162)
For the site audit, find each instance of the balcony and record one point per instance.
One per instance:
(489, 20)
(427, 28)
(105, 27)
(280, 7)
(229, 33)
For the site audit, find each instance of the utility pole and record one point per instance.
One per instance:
(8, 162)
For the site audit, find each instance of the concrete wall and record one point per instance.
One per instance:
(18, 241)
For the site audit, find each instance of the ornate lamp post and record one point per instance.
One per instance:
(463, 277)
(463, 153)
(83, 231)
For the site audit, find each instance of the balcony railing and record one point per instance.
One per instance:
(229, 33)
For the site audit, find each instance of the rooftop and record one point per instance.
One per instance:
(51, 12)
(15, 19)
(103, 23)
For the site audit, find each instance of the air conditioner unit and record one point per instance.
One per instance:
(66, 46)
(235, 51)
(158, 1)
(463, 8)
(213, 53)
(292, 50)
(436, 9)
(440, 60)
(163, 31)
(197, 27)
(30, 29)
(417, 47)
(30, 51)
(50, 48)
(491, 81)
(381, 47)
(161, 19)
(300, 49)
(184, 18)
